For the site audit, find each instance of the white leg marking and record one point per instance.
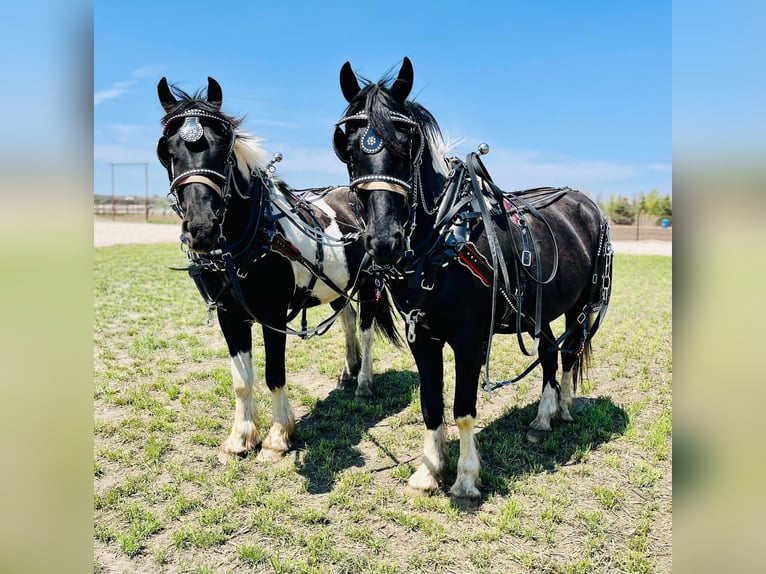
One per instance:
(351, 368)
(364, 384)
(468, 465)
(565, 401)
(546, 409)
(277, 442)
(244, 431)
(426, 477)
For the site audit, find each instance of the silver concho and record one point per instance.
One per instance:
(192, 130)
(371, 142)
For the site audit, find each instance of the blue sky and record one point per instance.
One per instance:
(565, 93)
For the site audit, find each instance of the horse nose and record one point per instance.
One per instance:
(384, 250)
(200, 235)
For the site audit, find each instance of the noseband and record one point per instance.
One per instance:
(192, 131)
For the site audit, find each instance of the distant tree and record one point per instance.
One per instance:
(665, 208)
(620, 210)
(650, 203)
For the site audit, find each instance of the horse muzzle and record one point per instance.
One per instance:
(201, 236)
(386, 250)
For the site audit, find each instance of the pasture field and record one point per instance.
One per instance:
(595, 496)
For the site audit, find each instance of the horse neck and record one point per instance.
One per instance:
(238, 209)
(432, 182)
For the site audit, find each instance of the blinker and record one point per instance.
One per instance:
(371, 141)
(192, 130)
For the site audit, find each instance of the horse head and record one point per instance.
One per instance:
(197, 150)
(382, 147)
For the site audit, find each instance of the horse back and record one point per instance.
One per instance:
(563, 243)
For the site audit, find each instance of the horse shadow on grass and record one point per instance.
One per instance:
(327, 439)
(506, 454)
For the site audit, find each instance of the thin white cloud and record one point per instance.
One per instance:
(520, 169)
(114, 91)
(511, 169)
(514, 169)
(117, 89)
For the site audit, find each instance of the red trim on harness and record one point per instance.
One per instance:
(281, 245)
(470, 257)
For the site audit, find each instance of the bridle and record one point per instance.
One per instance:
(192, 131)
(371, 143)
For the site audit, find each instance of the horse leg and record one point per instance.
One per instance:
(278, 441)
(367, 328)
(570, 361)
(352, 365)
(428, 358)
(549, 403)
(468, 358)
(244, 431)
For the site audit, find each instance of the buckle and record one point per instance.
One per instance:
(526, 258)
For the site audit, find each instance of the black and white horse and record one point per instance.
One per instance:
(460, 257)
(262, 252)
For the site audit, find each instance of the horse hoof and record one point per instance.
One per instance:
(465, 488)
(422, 482)
(346, 381)
(363, 395)
(536, 436)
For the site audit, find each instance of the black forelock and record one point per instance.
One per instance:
(197, 101)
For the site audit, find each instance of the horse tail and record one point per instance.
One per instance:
(384, 320)
(600, 295)
(583, 364)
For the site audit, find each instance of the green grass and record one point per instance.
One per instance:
(592, 497)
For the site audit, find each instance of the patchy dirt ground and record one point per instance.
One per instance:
(164, 396)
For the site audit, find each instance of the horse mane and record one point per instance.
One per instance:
(374, 100)
(246, 149)
(248, 153)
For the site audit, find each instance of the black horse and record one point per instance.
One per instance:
(262, 252)
(460, 257)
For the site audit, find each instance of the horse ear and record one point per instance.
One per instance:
(348, 83)
(214, 93)
(167, 99)
(403, 84)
